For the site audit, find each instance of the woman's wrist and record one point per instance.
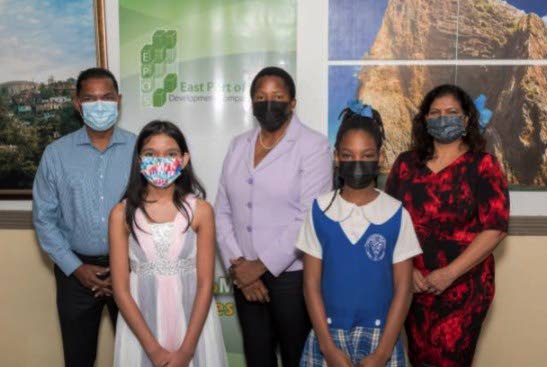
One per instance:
(451, 271)
(261, 266)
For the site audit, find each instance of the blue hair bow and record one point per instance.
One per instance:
(359, 108)
(484, 113)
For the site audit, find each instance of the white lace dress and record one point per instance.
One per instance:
(163, 284)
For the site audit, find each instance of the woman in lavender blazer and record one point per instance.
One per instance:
(270, 177)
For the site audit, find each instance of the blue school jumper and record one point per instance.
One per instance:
(357, 287)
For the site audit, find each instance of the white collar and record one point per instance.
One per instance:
(378, 211)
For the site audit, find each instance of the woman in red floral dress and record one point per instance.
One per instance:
(457, 197)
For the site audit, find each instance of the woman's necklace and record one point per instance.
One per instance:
(275, 142)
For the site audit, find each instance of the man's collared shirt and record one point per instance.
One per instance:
(75, 188)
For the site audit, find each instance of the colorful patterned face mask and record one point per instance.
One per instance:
(161, 171)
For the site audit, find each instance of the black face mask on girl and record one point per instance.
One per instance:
(358, 174)
(271, 114)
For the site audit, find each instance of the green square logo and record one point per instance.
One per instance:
(159, 54)
(170, 83)
(170, 38)
(158, 75)
(158, 39)
(159, 98)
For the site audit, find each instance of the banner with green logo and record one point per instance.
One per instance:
(192, 62)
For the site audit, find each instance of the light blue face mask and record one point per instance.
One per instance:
(100, 115)
(446, 129)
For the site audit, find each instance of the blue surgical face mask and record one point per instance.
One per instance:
(446, 129)
(100, 115)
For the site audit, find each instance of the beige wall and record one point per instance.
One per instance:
(514, 334)
(29, 331)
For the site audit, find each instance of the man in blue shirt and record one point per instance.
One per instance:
(80, 178)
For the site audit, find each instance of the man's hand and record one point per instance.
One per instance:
(106, 291)
(88, 275)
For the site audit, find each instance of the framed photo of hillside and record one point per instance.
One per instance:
(390, 53)
(44, 46)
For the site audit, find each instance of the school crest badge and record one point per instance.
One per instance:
(375, 247)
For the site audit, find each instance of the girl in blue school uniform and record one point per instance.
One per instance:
(358, 244)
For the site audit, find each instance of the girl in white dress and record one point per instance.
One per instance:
(162, 251)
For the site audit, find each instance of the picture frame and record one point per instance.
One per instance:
(43, 100)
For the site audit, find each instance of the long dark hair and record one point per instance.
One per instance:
(350, 120)
(186, 183)
(422, 142)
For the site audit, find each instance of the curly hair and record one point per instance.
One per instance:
(422, 142)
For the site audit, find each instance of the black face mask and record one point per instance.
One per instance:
(358, 174)
(270, 114)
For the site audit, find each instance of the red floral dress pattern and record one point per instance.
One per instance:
(449, 209)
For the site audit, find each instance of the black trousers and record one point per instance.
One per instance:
(80, 315)
(283, 322)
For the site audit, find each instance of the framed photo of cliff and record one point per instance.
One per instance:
(390, 53)
(45, 44)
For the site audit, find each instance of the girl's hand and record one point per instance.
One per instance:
(337, 358)
(160, 357)
(419, 283)
(439, 280)
(373, 360)
(181, 358)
